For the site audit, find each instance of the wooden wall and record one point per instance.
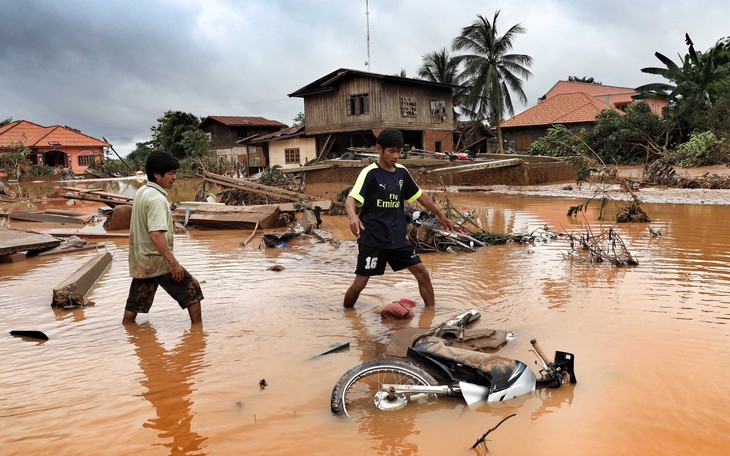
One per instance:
(327, 112)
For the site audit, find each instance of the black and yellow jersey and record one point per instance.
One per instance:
(381, 196)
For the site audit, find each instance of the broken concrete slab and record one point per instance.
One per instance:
(71, 293)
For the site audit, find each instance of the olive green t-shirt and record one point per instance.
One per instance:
(150, 212)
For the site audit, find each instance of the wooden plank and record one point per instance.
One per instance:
(12, 258)
(476, 166)
(58, 250)
(13, 240)
(254, 187)
(72, 291)
(85, 234)
(30, 216)
(232, 217)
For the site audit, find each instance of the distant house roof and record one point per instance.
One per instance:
(596, 90)
(330, 82)
(561, 109)
(242, 121)
(33, 135)
(287, 133)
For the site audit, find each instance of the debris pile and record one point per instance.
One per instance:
(604, 247)
(660, 173)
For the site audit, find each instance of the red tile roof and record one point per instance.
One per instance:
(243, 121)
(34, 135)
(561, 109)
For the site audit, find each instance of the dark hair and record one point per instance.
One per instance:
(390, 137)
(161, 163)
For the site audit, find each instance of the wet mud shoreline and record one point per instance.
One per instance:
(648, 194)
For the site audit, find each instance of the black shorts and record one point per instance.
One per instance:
(371, 260)
(142, 291)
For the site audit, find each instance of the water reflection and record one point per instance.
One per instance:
(553, 399)
(169, 385)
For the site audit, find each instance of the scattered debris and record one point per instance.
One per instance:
(71, 244)
(14, 240)
(604, 247)
(41, 216)
(263, 384)
(29, 333)
(278, 240)
(218, 216)
(276, 268)
(335, 349)
(482, 441)
(97, 195)
(71, 292)
(662, 173)
(119, 218)
(399, 310)
(655, 233)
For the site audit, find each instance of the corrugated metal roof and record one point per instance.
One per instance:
(330, 81)
(243, 121)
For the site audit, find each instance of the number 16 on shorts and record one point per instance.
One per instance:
(371, 262)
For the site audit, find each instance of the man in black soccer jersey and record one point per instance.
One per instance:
(381, 191)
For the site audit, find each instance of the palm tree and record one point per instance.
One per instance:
(490, 71)
(440, 66)
(689, 80)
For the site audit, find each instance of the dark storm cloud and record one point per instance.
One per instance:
(111, 68)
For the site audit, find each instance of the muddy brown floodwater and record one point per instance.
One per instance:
(650, 342)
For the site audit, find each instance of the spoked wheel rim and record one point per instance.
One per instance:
(363, 391)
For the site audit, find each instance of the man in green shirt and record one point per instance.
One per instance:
(151, 261)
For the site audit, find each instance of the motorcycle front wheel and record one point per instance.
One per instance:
(360, 387)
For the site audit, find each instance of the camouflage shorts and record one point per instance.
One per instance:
(142, 291)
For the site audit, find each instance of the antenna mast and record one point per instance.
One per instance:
(367, 20)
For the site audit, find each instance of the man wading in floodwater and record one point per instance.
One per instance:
(381, 190)
(151, 262)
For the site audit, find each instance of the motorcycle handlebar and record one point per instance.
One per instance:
(539, 352)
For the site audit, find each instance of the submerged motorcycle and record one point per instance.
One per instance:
(439, 367)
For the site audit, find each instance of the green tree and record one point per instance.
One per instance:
(5, 121)
(140, 153)
(440, 66)
(168, 133)
(299, 119)
(490, 71)
(632, 138)
(195, 143)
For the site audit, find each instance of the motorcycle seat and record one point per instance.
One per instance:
(491, 365)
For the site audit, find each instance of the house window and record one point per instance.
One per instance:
(408, 107)
(437, 146)
(291, 156)
(438, 111)
(358, 104)
(85, 160)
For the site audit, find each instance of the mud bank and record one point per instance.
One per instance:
(657, 194)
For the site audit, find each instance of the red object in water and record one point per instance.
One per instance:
(400, 309)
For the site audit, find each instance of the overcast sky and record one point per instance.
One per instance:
(110, 68)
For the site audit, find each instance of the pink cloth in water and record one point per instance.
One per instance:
(400, 309)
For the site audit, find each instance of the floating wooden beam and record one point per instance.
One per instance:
(475, 166)
(71, 292)
(254, 187)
